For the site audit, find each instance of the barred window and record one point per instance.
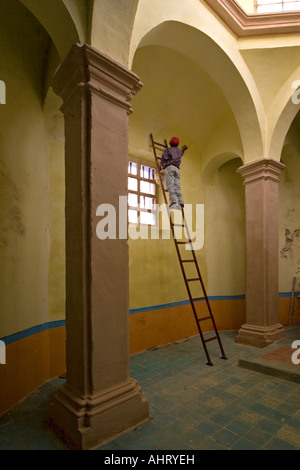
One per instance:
(141, 193)
(276, 6)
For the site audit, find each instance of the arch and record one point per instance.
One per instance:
(284, 110)
(59, 23)
(292, 139)
(223, 71)
(111, 27)
(225, 224)
(215, 163)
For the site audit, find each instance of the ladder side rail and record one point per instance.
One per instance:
(193, 306)
(158, 169)
(209, 307)
(196, 264)
(205, 295)
(210, 317)
(187, 284)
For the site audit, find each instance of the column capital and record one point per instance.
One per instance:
(85, 66)
(264, 169)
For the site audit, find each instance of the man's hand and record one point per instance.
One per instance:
(184, 148)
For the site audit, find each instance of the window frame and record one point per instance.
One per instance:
(139, 193)
(245, 25)
(280, 3)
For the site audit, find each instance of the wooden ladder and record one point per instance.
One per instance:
(160, 147)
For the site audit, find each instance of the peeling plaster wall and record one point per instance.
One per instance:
(54, 124)
(24, 231)
(289, 220)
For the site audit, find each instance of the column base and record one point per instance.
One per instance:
(86, 423)
(260, 336)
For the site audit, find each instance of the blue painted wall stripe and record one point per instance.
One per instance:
(32, 331)
(54, 324)
(184, 302)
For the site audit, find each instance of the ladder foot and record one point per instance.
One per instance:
(224, 357)
(209, 363)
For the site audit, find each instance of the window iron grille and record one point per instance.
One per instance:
(276, 6)
(141, 193)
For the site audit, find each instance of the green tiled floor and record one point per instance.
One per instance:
(192, 406)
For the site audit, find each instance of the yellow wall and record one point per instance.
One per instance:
(225, 231)
(56, 274)
(31, 209)
(24, 234)
(111, 27)
(30, 361)
(32, 180)
(160, 326)
(247, 5)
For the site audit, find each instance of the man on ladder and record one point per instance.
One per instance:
(171, 158)
(170, 166)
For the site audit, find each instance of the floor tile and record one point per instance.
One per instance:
(192, 406)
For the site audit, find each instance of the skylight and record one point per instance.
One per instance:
(276, 6)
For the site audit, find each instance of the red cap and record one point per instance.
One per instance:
(174, 142)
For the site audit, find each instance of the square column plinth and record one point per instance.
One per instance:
(261, 180)
(99, 399)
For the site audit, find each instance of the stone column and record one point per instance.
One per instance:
(261, 180)
(99, 399)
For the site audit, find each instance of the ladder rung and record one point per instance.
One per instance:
(177, 225)
(195, 299)
(180, 243)
(188, 261)
(158, 143)
(210, 339)
(193, 279)
(158, 158)
(204, 318)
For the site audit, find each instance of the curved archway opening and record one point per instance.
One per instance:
(193, 90)
(222, 84)
(59, 22)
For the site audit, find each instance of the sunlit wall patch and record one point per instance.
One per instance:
(2, 92)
